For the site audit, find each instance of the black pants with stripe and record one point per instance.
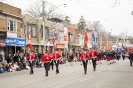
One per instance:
(46, 66)
(94, 63)
(57, 66)
(31, 66)
(85, 62)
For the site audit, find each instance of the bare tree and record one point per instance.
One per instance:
(35, 10)
(115, 3)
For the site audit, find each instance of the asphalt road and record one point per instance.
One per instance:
(117, 75)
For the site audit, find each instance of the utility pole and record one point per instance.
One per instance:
(107, 41)
(43, 2)
(100, 40)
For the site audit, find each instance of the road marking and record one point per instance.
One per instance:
(85, 79)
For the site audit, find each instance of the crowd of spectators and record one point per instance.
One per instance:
(17, 62)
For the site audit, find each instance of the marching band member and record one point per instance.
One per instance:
(46, 59)
(56, 57)
(51, 61)
(93, 55)
(30, 58)
(108, 57)
(84, 58)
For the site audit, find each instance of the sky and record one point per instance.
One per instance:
(115, 18)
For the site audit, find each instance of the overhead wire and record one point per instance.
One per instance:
(78, 17)
(98, 15)
(99, 2)
(64, 11)
(54, 6)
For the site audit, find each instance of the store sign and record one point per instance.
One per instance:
(20, 42)
(2, 44)
(3, 34)
(60, 46)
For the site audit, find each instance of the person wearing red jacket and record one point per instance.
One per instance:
(93, 55)
(56, 57)
(51, 61)
(84, 58)
(30, 58)
(46, 59)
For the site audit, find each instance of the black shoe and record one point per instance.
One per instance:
(46, 75)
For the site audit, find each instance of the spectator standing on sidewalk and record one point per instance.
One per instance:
(131, 57)
(1, 59)
(3, 54)
(21, 57)
(9, 58)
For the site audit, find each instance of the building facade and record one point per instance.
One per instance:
(10, 23)
(35, 27)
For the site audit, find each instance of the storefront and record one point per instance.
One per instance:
(3, 35)
(14, 44)
(61, 47)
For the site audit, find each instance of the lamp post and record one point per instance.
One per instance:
(70, 39)
(43, 25)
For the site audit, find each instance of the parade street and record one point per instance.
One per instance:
(117, 75)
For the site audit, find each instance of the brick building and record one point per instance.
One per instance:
(10, 23)
(35, 26)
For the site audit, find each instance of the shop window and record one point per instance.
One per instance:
(11, 26)
(29, 28)
(32, 29)
(37, 50)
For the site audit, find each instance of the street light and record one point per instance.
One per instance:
(70, 39)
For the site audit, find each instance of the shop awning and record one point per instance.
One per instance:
(15, 41)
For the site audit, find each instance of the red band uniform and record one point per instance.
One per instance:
(84, 58)
(51, 61)
(46, 59)
(56, 57)
(30, 58)
(93, 55)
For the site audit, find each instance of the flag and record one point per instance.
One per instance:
(85, 40)
(29, 39)
(123, 50)
(55, 40)
(94, 40)
(117, 49)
